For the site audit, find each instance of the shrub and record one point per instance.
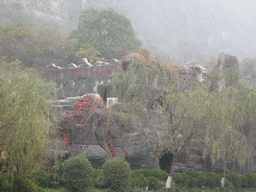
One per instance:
(251, 180)
(154, 183)
(191, 181)
(140, 182)
(161, 175)
(194, 174)
(58, 168)
(235, 179)
(98, 179)
(178, 179)
(42, 179)
(117, 174)
(185, 180)
(201, 180)
(9, 183)
(45, 179)
(77, 173)
(213, 180)
(24, 185)
(244, 182)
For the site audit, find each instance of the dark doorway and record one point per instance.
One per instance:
(165, 162)
(104, 90)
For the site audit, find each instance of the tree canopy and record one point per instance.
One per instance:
(35, 47)
(27, 118)
(107, 31)
(182, 114)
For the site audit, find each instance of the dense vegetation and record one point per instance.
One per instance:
(222, 122)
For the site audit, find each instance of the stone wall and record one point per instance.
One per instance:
(74, 80)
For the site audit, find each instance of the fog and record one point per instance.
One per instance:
(185, 29)
(190, 28)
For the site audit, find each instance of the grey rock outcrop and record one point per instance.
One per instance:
(222, 72)
(73, 80)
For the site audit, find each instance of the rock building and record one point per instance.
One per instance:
(87, 83)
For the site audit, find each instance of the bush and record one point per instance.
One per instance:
(194, 174)
(161, 175)
(244, 182)
(201, 180)
(98, 179)
(58, 168)
(191, 181)
(235, 179)
(251, 180)
(213, 180)
(77, 173)
(178, 179)
(45, 179)
(24, 185)
(41, 178)
(9, 183)
(154, 183)
(140, 182)
(184, 180)
(117, 174)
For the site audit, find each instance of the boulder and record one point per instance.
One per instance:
(138, 152)
(96, 155)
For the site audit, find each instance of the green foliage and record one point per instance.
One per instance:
(183, 179)
(251, 180)
(165, 102)
(248, 66)
(45, 179)
(58, 168)
(35, 47)
(235, 179)
(194, 174)
(140, 181)
(98, 178)
(107, 31)
(154, 183)
(89, 52)
(192, 179)
(27, 119)
(213, 180)
(117, 173)
(10, 183)
(78, 173)
(201, 180)
(161, 175)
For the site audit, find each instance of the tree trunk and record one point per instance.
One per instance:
(169, 179)
(224, 173)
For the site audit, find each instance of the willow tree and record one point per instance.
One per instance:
(181, 113)
(231, 112)
(27, 119)
(167, 103)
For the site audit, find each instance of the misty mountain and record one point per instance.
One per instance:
(192, 29)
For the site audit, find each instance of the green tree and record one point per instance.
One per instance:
(107, 31)
(230, 124)
(158, 99)
(89, 52)
(27, 118)
(34, 47)
(248, 65)
(182, 114)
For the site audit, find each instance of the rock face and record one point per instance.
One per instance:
(223, 71)
(43, 12)
(192, 70)
(89, 133)
(75, 80)
(100, 141)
